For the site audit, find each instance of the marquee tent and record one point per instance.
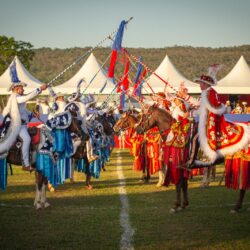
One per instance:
(23, 75)
(169, 73)
(237, 81)
(90, 69)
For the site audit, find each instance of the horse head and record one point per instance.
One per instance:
(126, 121)
(75, 127)
(154, 117)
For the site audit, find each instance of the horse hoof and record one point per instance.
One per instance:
(46, 205)
(159, 184)
(234, 211)
(89, 187)
(178, 209)
(38, 206)
(172, 211)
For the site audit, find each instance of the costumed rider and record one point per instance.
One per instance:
(58, 106)
(217, 136)
(20, 116)
(79, 107)
(162, 101)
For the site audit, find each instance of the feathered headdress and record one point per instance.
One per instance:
(14, 77)
(76, 94)
(210, 78)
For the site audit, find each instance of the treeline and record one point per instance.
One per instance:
(190, 61)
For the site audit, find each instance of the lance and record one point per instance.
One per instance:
(84, 55)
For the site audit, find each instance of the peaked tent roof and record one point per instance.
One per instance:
(168, 72)
(89, 69)
(237, 81)
(23, 75)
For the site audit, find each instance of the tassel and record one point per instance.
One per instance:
(122, 99)
(125, 79)
(139, 70)
(119, 86)
(112, 64)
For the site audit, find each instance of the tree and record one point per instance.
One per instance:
(9, 48)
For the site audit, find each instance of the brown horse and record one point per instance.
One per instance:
(129, 120)
(155, 116)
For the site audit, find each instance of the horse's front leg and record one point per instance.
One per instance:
(161, 173)
(72, 170)
(44, 202)
(37, 201)
(185, 202)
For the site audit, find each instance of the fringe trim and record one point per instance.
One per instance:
(211, 154)
(204, 101)
(15, 127)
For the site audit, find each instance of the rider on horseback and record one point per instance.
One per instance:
(80, 108)
(16, 108)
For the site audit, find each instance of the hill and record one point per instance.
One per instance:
(190, 61)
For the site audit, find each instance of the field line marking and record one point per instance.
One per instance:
(128, 232)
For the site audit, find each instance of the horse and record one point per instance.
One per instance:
(163, 120)
(14, 156)
(129, 121)
(80, 153)
(240, 160)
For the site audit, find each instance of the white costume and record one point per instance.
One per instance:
(25, 116)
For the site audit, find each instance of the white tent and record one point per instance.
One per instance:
(167, 71)
(237, 81)
(90, 69)
(23, 75)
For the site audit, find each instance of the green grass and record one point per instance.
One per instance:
(89, 219)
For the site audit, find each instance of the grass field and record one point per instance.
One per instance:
(89, 219)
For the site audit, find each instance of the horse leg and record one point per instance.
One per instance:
(238, 204)
(161, 173)
(177, 203)
(72, 170)
(88, 178)
(44, 202)
(37, 202)
(185, 193)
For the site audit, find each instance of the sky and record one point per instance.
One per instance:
(155, 24)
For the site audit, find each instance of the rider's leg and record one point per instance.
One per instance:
(25, 147)
(90, 155)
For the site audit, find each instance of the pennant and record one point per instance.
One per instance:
(117, 45)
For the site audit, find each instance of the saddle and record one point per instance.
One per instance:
(15, 152)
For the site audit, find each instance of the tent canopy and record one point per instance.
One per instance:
(23, 75)
(90, 69)
(167, 71)
(237, 81)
